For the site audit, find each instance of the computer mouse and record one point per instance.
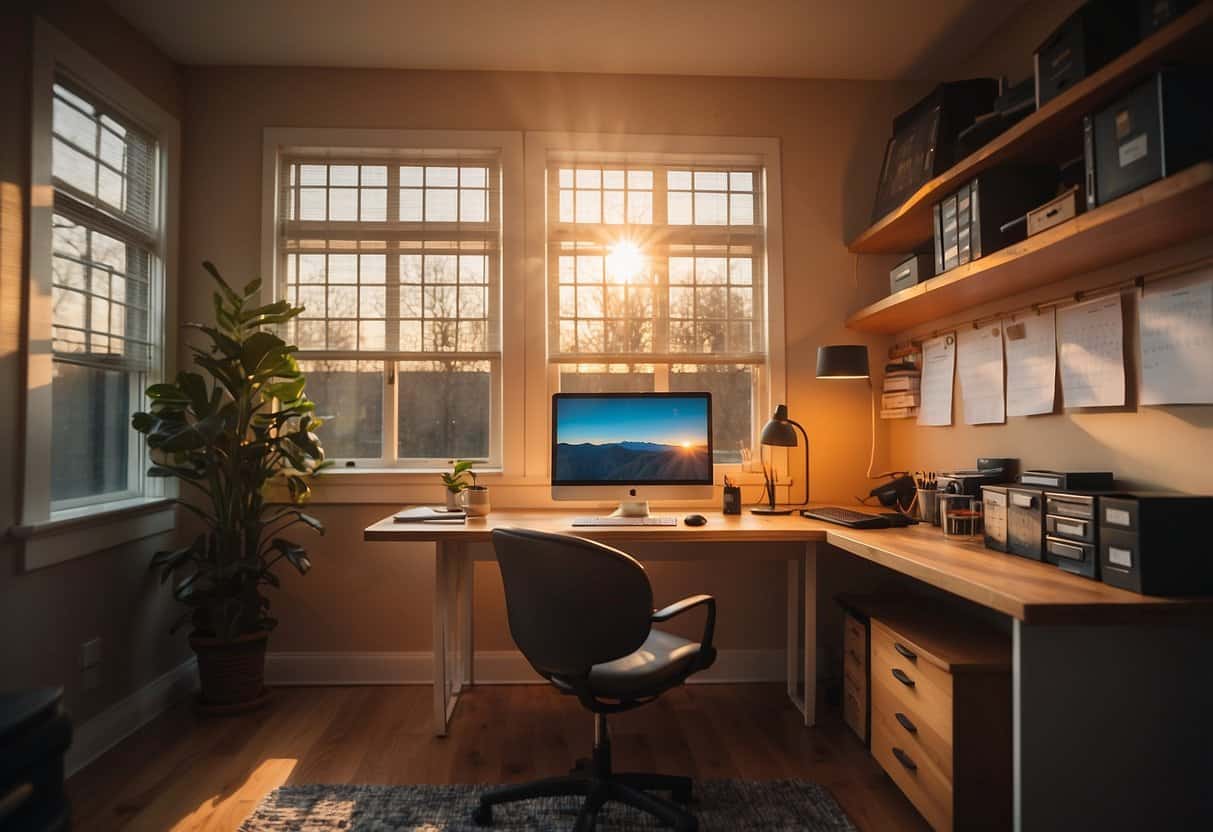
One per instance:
(695, 520)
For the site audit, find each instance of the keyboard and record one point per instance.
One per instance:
(625, 521)
(851, 518)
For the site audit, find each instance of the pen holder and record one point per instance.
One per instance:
(928, 506)
(732, 500)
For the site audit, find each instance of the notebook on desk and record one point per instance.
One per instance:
(430, 514)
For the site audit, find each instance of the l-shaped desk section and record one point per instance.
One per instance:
(1112, 727)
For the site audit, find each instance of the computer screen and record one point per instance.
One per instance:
(632, 438)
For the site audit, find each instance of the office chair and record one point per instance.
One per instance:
(582, 614)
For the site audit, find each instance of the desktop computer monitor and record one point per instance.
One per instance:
(632, 447)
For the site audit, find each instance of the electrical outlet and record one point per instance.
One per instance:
(90, 653)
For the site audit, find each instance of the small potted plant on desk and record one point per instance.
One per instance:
(456, 482)
(227, 441)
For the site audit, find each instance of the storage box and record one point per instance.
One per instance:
(909, 272)
(1163, 125)
(994, 507)
(980, 218)
(1055, 212)
(1154, 14)
(1091, 37)
(924, 139)
(1156, 544)
(1025, 522)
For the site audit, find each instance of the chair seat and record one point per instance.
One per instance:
(664, 660)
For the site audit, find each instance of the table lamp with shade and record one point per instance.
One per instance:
(840, 361)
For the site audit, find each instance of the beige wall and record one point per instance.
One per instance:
(374, 597)
(45, 615)
(1152, 447)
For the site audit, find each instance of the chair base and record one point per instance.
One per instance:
(594, 780)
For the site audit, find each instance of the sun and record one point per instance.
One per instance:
(625, 260)
(686, 443)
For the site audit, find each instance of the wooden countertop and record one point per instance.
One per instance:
(1036, 593)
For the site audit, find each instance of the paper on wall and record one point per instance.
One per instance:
(938, 367)
(1176, 345)
(1031, 345)
(979, 368)
(1092, 353)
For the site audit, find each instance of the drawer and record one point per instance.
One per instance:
(914, 682)
(923, 735)
(924, 784)
(855, 708)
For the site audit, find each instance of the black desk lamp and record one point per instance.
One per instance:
(780, 432)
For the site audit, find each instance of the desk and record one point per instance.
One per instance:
(1109, 687)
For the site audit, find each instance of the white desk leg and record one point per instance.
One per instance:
(467, 643)
(444, 697)
(802, 644)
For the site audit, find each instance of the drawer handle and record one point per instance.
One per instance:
(902, 677)
(904, 759)
(905, 651)
(905, 722)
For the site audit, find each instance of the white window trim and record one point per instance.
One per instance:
(52, 538)
(763, 152)
(506, 409)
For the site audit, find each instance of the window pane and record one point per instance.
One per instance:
(349, 397)
(444, 409)
(90, 431)
(732, 389)
(606, 378)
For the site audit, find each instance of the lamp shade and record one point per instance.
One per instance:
(842, 361)
(779, 431)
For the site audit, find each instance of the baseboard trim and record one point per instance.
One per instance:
(492, 667)
(92, 738)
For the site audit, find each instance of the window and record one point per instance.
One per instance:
(101, 265)
(656, 283)
(105, 273)
(395, 256)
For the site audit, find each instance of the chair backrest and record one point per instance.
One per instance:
(572, 603)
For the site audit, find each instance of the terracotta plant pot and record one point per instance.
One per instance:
(232, 673)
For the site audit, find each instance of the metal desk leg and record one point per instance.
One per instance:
(802, 662)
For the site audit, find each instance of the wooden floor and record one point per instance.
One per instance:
(186, 772)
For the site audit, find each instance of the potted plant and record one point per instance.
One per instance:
(227, 439)
(456, 480)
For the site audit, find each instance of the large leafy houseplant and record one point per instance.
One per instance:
(228, 440)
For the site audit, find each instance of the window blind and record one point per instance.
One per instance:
(104, 230)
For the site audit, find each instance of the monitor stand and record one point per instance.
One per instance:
(634, 508)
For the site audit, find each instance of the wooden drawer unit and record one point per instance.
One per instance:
(855, 693)
(941, 715)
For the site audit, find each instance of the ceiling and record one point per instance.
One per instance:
(860, 39)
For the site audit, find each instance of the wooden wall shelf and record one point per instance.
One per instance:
(1054, 129)
(1165, 213)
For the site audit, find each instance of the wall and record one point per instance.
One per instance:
(375, 597)
(1150, 447)
(45, 615)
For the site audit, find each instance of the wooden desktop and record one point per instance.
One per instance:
(1109, 686)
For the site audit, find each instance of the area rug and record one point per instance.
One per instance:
(733, 805)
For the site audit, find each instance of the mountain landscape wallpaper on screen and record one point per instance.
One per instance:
(632, 440)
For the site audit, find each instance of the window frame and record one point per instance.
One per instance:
(343, 143)
(694, 151)
(51, 534)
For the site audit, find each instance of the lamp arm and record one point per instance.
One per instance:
(805, 434)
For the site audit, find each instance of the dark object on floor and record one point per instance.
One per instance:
(582, 614)
(1091, 37)
(733, 805)
(34, 735)
(695, 520)
(1159, 128)
(924, 139)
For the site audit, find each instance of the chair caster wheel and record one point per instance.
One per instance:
(483, 815)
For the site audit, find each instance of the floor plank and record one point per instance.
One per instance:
(185, 772)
